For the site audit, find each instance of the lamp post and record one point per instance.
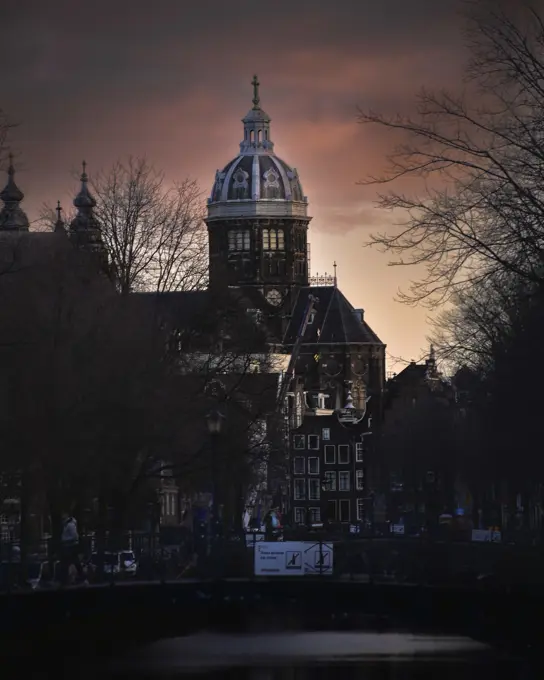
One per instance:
(215, 421)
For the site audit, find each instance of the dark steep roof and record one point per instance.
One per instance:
(336, 320)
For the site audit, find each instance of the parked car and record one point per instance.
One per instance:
(122, 563)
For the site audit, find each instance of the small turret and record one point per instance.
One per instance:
(59, 224)
(12, 217)
(85, 229)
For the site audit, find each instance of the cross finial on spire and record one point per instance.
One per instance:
(256, 98)
(59, 210)
(84, 170)
(335, 279)
(10, 158)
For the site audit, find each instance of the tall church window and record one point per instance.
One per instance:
(273, 239)
(239, 239)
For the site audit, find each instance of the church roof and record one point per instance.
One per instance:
(257, 177)
(257, 183)
(336, 320)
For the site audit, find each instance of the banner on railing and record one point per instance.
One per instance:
(293, 558)
(486, 536)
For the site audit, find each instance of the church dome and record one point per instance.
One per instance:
(257, 182)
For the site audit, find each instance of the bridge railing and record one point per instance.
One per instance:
(143, 556)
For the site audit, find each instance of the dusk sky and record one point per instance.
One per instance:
(170, 80)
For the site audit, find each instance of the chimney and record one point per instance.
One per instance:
(360, 313)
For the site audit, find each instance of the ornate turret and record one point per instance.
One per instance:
(85, 229)
(12, 217)
(256, 127)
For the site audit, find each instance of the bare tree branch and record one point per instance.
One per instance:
(483, 209)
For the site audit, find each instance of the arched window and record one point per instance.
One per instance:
(252, 136)
(273, 239)
(259, 132)
(239, 240)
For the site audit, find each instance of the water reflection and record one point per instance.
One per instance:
(320, 656)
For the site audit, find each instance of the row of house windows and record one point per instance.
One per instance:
(344, 480)
(338, 453)
(299, 440)
(299, 465)
(333, 481)
(336, 511)
(310, 466)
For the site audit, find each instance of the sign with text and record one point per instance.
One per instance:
(293, 558)
(486, 536)
(279, 558)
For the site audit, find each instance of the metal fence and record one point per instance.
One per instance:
(141, 556)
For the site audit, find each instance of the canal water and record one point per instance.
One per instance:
(321, 656)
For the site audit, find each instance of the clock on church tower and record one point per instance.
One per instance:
(274, 297)
(258, 216)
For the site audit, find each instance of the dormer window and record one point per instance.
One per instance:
(273, 239)
(239, 240)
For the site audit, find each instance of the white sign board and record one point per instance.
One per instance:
(397, 529)
(293, 558)
(279, 558)
(486, 536)
(318, 558)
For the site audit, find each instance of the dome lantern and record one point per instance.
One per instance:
(256, 127)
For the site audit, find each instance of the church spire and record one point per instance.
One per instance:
(256, 127)
(84, 200)
(256, 99)
(59, 224)
(85, 229)
(12, 217)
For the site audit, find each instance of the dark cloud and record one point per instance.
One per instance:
(170, 79)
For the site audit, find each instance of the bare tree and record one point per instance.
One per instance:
(481, 157)
(83, 371)
(153, 231)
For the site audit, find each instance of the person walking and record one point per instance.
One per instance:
(69, 549)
